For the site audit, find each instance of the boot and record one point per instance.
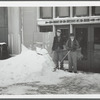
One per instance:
(55, 68)
(62, 67)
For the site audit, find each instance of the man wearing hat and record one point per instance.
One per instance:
(72, 45)
(58, 50)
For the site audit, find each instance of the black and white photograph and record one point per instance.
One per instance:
(50, 49)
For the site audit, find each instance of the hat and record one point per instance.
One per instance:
(59, 31)
(71, 34)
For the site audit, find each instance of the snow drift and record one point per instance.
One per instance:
(21, 67)
(36, 66)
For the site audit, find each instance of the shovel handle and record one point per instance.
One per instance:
(64, 56)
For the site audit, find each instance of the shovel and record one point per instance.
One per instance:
(63, 59)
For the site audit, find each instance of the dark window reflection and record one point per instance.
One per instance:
(46, 28)
(97, 35)
(96, 10)
(82, 36)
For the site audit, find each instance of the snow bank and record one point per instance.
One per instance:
(21, 67)
(30, 66)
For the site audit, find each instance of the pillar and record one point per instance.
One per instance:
(71, 15)
(14, 40)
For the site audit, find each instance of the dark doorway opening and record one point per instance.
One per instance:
(81, 34)
(96, 50)
(64, 35)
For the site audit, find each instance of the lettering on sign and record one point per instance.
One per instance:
(68, 21)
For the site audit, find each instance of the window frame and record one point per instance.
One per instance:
(57, 12)
(93, 11)
(40, 30)
(41, 13)
(74, 12)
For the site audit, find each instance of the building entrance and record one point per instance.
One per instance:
(81, 34)
(95, 54)
(88, 37)
(64, 32)
(64, 35)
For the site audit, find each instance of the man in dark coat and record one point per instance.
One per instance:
(72, 45)
(58, 50)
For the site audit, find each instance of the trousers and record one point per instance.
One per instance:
(58, 55)
(72, 59)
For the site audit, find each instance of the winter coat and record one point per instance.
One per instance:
(74, 47)
(57, 44)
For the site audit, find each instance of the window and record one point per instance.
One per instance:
(62, 11)
(46, 28)
(81, 35)
(97, 35)
(46, 12)
(96, 10)
(81, 11)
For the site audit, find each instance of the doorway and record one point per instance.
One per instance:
(64, 35)
(95, 54)
(81, 34)
(64, 32)
(88, 37)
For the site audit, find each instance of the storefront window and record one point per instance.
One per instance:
(62, 12)
(96, 10)
(46, 28)
(82, 37)
(46, 12)
(81, 11)
(97, 36)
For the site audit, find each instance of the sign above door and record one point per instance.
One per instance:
(74, 20)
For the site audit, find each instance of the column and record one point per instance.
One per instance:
(71, 15)
(14, 27)
(90, 11)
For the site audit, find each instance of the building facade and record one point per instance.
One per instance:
(29, 25)
(83, 21)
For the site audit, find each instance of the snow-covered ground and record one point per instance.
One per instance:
(24, 67)
(28, 66)
(31, 73)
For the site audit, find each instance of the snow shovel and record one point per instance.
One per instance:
(63, 58)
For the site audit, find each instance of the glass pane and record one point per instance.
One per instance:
(46, 12)
(82, 37)
(97, 38)
(62, 11)
(65, 35)
(46, 28)
(96, 10)
(81, 11)
(97, 46)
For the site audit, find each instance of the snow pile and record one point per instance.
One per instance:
(21, 67)
(32, 67)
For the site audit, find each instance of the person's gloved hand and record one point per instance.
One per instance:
(73, 49)
(64, 47)
(70, 49)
